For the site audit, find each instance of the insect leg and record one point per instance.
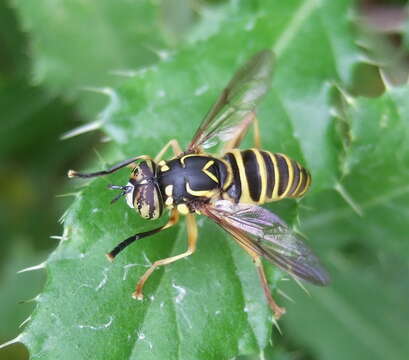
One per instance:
(122, 164)
(256, 134)
(174, 218)
(192, 237)
(278, 311)
(240, 132)
(175, 146)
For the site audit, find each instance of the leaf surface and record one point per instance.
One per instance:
(77, 45)
(364, 311)
(210, 305)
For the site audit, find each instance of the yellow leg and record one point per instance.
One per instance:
(256, 134)
(241, 132)
(177, 150)
(244, 243)
(192, 237)
(278, 311)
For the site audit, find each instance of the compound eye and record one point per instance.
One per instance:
(148, 202)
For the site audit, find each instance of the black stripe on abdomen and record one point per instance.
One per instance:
(234, 190)
(252, 174)
(305, 180)
(270, 174)
(296, 177)
(283, 171)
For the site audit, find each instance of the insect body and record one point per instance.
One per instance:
(251, 176)
(191, 177)
(260, 176)
(226, 187)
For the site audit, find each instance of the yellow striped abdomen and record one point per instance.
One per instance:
(260, 176)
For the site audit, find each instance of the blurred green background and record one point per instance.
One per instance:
(45, 91)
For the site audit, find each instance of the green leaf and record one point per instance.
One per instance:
(78, 44)
(375, 185)
(15, 293)
(270, 353)
(209, 306)
(364, 311)
(361, 316)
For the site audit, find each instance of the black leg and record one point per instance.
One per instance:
(121, 246)
(174, 218)
(73, 173)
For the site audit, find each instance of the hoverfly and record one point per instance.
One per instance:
(227, 188)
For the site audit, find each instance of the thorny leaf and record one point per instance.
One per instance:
(366, 306)
(210, 305)
(79, 46)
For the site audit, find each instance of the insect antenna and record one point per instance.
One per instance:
(122, 164)
(125, 190)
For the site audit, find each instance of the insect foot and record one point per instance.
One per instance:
(137, 295)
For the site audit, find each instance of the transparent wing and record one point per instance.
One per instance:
(265, 234)
(237, 102)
